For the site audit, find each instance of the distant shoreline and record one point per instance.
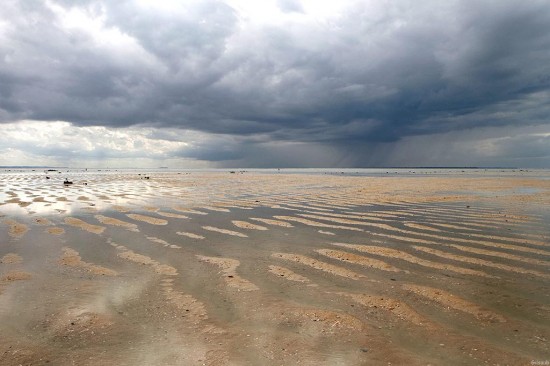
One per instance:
(282, 168)
(32, 167)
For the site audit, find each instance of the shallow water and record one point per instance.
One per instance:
(314, 267)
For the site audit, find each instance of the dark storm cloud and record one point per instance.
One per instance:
(377, 73)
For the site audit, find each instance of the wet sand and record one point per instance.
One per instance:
(213, 268)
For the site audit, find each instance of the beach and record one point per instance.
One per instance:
(289, 267)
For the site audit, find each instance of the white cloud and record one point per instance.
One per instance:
(61, 143)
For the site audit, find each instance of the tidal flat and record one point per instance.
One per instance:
(404, 267)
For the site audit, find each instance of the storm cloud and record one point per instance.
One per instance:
(256, 83)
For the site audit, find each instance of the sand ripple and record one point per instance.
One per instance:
(225, 231)
(190, 235)
(248, 225)
(189, 210)
(15, 276)
(159, 268)
(55, 230)
(314, 263)
(42, 221)
(357, 259)
(481, 262)
(84, 225)
(172, 215)
(11, 258)
(316, 223)
(229, 269)
(394, 253)
(449, 300)
(148, 219)
(396, 307)
(116, 222)
(327, 319)
(163, 242)
(16, 229)
(272, 222)
(287, 274)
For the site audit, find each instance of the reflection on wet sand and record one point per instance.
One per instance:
(284, 269)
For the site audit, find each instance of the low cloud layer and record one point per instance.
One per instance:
(282, 83)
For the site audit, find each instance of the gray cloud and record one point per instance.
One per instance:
(376, 73)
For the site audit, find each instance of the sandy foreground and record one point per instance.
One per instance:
(274, 269)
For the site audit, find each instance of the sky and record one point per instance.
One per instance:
(275, 83)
